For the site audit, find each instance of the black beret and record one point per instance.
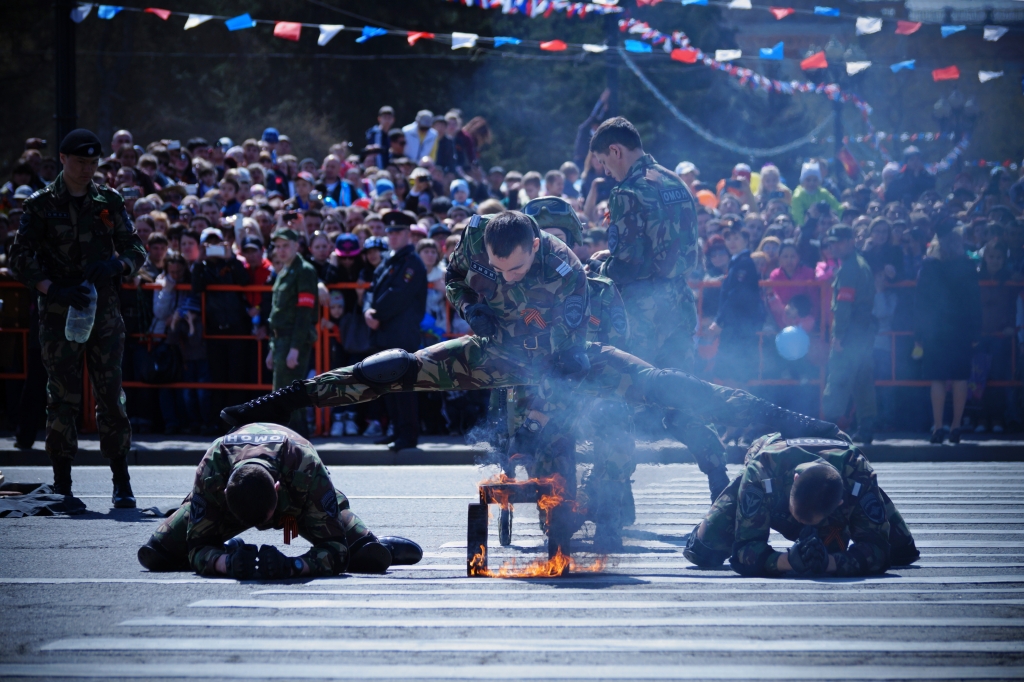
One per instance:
(81, 142)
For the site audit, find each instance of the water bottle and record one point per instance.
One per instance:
(79, 324)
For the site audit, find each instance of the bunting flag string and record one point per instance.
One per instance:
(545, 8)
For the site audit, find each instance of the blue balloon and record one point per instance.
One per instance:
(792, 343)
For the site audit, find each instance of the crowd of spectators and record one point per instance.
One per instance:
(206, 211)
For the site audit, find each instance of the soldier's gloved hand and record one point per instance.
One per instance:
(481, 319)
(104, 269)
(526, 440)
(241, 563)
(76, 296)
(572, 362)
(808, 555)
(274, 565)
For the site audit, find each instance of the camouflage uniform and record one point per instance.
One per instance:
(58, 236)
(652, 238)
(195, 534)
(292, 323)
(757, 502)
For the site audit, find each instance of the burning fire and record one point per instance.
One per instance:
(554, 567)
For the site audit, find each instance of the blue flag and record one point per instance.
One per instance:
(371, 32)
(772, 52)
(242, 21)
(947, 31)
(636, 46)
(695, 2)
(108, 11)
(505, 40)
(826, 11)
(899, 66)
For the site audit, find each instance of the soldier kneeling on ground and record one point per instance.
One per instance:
(267, 476)
(820, 493)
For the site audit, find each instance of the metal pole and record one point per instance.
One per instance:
(65, 113)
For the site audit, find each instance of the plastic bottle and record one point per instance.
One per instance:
(79, 324)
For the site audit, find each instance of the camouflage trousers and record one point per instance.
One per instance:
(283, 376)
(720, 525)
(851, 374)
(323, 558)
(63, 362)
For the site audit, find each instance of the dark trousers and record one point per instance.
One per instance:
(403, 411)
(32, 407)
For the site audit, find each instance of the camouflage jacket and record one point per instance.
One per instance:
(608, 323)
(56, 239)
(763, 504)
(307, 495)
(652, 231)
(853, 298)
(544, 311)
(294, 306)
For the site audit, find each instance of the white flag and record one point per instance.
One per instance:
(853, 68)
(196, 19)
(328, 31)
(994, 33)
(740, 4)
(463, 40)
(867, 25)
(727, 55)
(594, 48)
(79, 13)
(986, 76)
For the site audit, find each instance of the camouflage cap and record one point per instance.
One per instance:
(285, 233)
(558, 213)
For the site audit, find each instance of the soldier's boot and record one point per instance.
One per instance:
(865, 432)
(62, 476)
(368, 555)
(404, 552)
(275, 408)
(123, 497)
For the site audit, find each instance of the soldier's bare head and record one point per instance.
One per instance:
(617, 145)
(251, 494)
(512, 242)
(817, 492)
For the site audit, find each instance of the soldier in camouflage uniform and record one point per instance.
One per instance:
(763, 499)
(293, 317)
(304, 502)
(73, 232)
(652, 244)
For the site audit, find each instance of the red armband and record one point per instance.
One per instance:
(847, 294)
(306, 300)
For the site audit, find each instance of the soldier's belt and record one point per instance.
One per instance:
(531, 342)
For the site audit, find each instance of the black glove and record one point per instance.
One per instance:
(242, 562)
(526, 440)
(808, 555)
(481, 319)
(572, 362)
(274, 565)
(75, 295)
(104, 269)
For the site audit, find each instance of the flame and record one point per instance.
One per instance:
(555, 567)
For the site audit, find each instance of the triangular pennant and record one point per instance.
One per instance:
(853, 68)
(687, 56)
(695, 2)
(597, 49)
(815, 61)
(634, 46)
(240, 23)
(416, 36)
(727, 55)
(949, 73)
(986, 76)
(164, 14)
(781, 12)
(108, 11)
(371, 32)
(506, 40)
(867, 25)
(947, 31)
(556, 45)
(79, 13)
(826, 11)
(905, 28)
(899, 66)
(288, 30)
(196, 19)
(460, 40)
(328, 31)
(774, 53)
(994, 33)
(740, 4)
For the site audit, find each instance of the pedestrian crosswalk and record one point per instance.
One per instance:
(958, 613)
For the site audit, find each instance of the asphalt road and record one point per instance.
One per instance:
(75, 604)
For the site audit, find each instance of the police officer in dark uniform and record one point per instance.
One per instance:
(394, 307)
(75, 232)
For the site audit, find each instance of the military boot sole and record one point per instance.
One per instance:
(372, 557)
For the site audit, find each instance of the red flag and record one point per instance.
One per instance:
(289, 30)
(905, 28)
(418, 35)
(162, 13)
(850, 164)
(781, 12)
(687, 56)
(815, 61)
(950, 73)
(553, 46)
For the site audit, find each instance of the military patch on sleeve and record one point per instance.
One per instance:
(674, 195)
(816, 443)
(329, 502)
(563, 268)
(197, 509)
(407, 275)
(619, 320)
(483, 270)
(474, 221)
(58, 215)
(873, 508)
(574, 310)
(750, 501)
(613, 237)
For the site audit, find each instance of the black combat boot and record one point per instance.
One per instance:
(123, 497)
(62, 476)
(368, 555)
(404, 552)
(275, 408)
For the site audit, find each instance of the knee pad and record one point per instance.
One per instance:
(387, 367)
(673, 388)
(696, 552)
(156, 558)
